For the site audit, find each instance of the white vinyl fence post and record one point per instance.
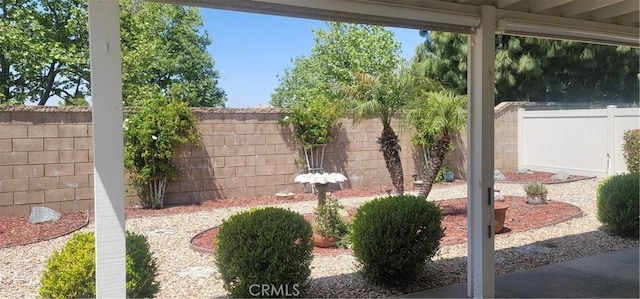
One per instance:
(611, 140)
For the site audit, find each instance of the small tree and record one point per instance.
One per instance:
(436, 116)
(382, 97)
(153, 134)
(312, 122)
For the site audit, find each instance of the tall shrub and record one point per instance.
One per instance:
(266, 248)
(153, 134)
(70, 273)
(393, 237)
(631, 150)
(617, 202)
(312, 120)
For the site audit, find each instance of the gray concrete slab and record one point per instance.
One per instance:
(610, 275)
(619, 265)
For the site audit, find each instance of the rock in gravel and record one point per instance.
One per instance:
(161, 232)
(498, 176)
(533, 249)
(43, 214)
(197, 272)
(576, 199)
(560, 176)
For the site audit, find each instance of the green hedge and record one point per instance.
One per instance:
(70, 273)
(264, 247)
(393, 237)
(617, 202)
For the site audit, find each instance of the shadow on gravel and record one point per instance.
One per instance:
(445, 272)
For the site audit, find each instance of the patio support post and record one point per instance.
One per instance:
(480, 78)
(106, 98)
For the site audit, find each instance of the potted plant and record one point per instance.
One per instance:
(328, 224)
(536, 193)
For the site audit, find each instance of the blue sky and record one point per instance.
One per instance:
(250, 50)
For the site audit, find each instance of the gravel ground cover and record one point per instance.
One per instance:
(184, 273)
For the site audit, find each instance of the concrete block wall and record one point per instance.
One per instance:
(245, 153)
(46, 157)
(506, 136)
(506, 141)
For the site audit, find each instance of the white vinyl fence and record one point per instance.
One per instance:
(581, 142)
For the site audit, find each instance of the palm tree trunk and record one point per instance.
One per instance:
(390, 148)
(438, 150)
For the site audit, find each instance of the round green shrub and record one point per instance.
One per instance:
(264, 247)
(393, 237)
(71, 272)
(617, 203)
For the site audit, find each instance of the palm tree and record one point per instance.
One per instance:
(436, 116)
(382, 96)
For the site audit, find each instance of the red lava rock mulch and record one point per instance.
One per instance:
(520, 217)
(16, 231)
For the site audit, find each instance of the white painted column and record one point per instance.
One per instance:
(106, 98)
(480, 78)
(611, 140)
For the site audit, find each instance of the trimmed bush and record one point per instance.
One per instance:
(393, 237)
(618, 204)
(264, 248)
(71, 272)
(631, 150)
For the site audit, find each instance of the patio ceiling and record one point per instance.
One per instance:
(613, 22)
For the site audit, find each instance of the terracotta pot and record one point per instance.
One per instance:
(324, 242)
(500, 214)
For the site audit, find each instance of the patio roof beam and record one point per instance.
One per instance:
(579, 7)
(615, 10)
(542, 5)
(527, 24)
(506, 3)
(449, 17)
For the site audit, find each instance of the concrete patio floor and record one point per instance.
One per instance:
(609, 275)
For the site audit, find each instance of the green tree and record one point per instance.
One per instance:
(75, 102)
(44, 52)
(338, 52)
(436, 117)
(153, 135)
(163, 47)
(359, 61)
(383, 96)
(532, 69)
